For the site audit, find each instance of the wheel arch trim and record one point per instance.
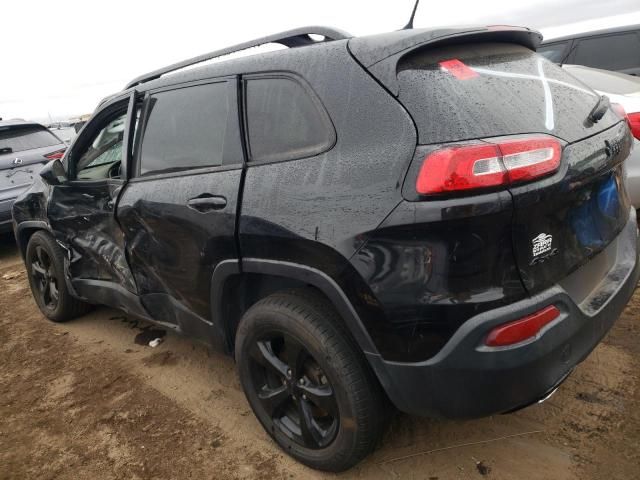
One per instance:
(303, 273)
(29, 225)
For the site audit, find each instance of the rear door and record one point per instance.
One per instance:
(179, 211)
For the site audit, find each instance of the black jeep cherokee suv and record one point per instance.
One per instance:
(432, 217)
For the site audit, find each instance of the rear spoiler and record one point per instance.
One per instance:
(380, 54)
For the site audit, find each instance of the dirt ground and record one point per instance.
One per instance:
(82, 400)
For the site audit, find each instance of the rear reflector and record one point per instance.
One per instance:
(487, 164)
(57, 155)
(523, 329)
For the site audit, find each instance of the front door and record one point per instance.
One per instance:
(179, 211)
(81, 211)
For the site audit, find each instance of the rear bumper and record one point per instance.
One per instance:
(467, 379)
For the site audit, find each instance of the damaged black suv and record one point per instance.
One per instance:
(431, 219)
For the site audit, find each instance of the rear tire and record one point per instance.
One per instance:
(308, 382)
(44, 260)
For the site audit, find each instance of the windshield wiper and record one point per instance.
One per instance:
(600, 109)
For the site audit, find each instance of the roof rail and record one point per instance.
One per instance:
(297, 37)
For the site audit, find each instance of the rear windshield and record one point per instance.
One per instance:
(463, 92)
(19, 138)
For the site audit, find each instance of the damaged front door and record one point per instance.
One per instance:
(82, 210)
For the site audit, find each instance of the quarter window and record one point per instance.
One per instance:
(284, 121)
(186, 128)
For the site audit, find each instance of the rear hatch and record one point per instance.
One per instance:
(505, 96)
(24, 148)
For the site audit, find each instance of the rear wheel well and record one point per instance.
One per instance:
(243, 290)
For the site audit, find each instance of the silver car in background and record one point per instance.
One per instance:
(625, 91)
(24, 148)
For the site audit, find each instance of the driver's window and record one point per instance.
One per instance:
(103, 156)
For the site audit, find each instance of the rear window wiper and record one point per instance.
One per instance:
(6, 150)
(598, 111)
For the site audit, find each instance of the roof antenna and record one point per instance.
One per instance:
(409, 25)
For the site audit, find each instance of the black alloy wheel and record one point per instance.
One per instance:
(294, 391)
(44, 276)
(44, 260)
(308, 382)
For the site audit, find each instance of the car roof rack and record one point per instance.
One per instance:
(298, 37)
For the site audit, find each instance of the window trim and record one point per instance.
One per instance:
(93, 126)
(231, 81)
(322, 111)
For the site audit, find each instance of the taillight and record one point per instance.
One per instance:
(488, 164)
(633, 119)
(523, 329)
(57, 155)
(634, 124)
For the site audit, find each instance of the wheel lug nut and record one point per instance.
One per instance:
(301, 382)
(288, 373)
(304, 397)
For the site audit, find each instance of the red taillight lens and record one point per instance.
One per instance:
(634, 124)
(57, 155)
(466, 167)
(460, 168)
(523, 329)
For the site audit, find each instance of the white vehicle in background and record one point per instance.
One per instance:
(63, 130)
(625, 91)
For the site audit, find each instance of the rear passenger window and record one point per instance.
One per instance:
(284, 121)
(186, 128)
(611, 52)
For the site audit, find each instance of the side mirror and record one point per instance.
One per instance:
(53, 173)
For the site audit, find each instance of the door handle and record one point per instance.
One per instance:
(208, 203)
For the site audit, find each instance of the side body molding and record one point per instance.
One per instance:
(294, 271)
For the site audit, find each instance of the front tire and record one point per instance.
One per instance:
(44, 260)
(307, 381)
